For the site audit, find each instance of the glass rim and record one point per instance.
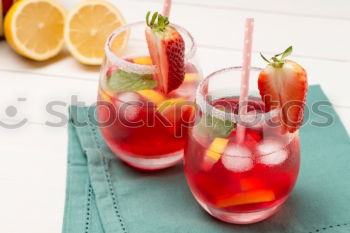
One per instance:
(138, 68)
(207, 108)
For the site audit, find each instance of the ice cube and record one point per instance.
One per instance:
(129, 97)
(237, 158)
(186, 90)
(252, 119)
(132, 112)
(271, 152)
(130, 105)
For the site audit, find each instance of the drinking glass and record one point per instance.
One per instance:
(145, 128)
(235, 178)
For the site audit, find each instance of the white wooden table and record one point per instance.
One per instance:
(33, 157)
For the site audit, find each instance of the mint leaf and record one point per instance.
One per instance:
(124, 81)
(210, 126)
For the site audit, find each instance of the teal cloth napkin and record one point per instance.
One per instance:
(105, 195)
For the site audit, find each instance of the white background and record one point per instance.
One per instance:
(33, 158)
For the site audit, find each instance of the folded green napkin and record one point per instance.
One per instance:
(105, 195)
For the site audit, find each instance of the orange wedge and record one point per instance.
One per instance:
(152, 95)
(250, 197)
(216, 148)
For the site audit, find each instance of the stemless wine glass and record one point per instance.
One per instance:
(142, 126)
(239, 179)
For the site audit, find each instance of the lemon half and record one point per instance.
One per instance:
(87, 28)
(34, 28)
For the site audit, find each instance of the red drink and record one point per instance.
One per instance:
(146, 128)
(253, 176)
(239, 179)
(146, 91)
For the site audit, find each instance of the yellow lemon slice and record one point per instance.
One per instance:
(152, 95)
(143, 60)
(34, 28)
(217, 147)
(87, 28)
(171, 104)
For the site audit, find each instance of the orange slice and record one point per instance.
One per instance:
(249, 197)
(143, 60)
(216, 148)
(152, 95)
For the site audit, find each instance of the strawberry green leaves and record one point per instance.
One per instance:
(267, 60)
(278, 60)
(124, 81)
(162, 21)
(286, 53)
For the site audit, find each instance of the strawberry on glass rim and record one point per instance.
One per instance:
(283, 84)
(167, 49)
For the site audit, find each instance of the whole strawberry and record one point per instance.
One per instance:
(167, 49)
(283, 84)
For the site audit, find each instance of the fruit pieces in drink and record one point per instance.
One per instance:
(238, 181)
(213, 154)
(153, 96)
(249, 197)
(239, 189)
(128, 132)
(170, 113)
(178, 112)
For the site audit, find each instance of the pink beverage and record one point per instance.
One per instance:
(147, 124)
(145, 101)
(239, 182)
(257, 174)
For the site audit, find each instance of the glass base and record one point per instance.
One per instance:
(241, 217)
(151, 162)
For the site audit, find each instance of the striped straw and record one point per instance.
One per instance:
(166, 7)
(247, 52)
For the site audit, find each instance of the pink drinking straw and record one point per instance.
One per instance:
(166, 7)
(243, 98)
